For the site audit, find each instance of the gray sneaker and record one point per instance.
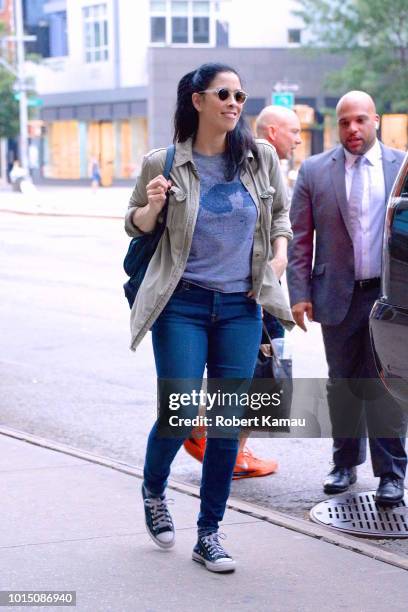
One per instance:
(159, 523)
(210, 553)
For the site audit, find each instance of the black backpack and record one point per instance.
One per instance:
(142, 248)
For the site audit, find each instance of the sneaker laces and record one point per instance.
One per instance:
(160, 513)
(213, 545)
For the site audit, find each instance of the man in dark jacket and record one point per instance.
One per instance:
(338, 209)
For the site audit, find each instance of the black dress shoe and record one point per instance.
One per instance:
(390, 490)
(339, 479)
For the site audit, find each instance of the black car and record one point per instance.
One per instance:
(389, 316)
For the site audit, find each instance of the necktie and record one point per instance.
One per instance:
(356, 194)
(355, 204)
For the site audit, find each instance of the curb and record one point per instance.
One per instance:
(271, 516)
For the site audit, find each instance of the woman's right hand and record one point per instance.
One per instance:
(156, 191)
(145, 217)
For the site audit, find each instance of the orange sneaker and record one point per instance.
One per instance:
(196, 447)
(248, 466)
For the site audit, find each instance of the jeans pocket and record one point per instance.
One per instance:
(182, 287)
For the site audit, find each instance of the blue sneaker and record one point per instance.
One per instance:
(159, 523)
(210, 553)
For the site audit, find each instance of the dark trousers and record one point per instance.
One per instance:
(358, 403)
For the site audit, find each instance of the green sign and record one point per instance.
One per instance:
(35, 102)
(284, 98)
(30, 101)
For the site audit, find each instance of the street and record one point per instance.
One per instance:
(69, 376)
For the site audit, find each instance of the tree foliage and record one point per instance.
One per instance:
(9, 119)
(373, 37)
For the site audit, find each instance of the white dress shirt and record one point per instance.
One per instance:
(367, 239)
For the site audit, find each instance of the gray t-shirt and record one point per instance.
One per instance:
(221, 250)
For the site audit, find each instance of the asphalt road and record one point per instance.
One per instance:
(67, 373)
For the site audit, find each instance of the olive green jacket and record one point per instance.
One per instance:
(169, 261)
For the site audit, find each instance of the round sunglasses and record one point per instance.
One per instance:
(224, 93)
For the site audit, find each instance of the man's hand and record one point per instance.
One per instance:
(299, 310)
(278, 265)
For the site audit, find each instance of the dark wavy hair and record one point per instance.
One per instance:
(239, 141)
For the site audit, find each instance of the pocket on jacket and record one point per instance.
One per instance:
(267, 195)
(176, 197)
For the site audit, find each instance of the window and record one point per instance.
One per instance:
(222, 34)
(404, 189)
(58, 34)
(158, 23)
(295, 36)
(96, 33)
(180, 21)
(201, 22)
(158, 29)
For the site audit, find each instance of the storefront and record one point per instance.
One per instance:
(113, 134)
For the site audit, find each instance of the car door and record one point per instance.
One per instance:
(389, 317)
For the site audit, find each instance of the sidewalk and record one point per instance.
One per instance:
(71, 524)
(76, 201)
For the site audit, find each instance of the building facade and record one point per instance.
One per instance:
(107, 82)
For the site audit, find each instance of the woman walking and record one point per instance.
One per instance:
(210, 275)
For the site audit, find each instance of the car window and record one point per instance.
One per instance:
(400, 189)
(404, 190)
(399, 233)
(395, 253)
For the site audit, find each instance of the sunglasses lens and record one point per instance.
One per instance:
(240, 97)
(223, 94)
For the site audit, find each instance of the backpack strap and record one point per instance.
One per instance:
(171, 151)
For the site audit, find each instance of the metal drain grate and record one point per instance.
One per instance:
(358, 513)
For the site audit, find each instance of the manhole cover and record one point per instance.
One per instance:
(359, 514)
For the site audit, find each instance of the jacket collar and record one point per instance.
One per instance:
(184, 152)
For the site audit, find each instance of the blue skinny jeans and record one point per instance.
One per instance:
(199, 328)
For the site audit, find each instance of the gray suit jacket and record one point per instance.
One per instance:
(319, 216)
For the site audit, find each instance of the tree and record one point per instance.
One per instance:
(372, 35)
(9, 119)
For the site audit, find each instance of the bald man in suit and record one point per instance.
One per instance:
(338, 210)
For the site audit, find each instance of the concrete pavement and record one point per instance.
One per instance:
(76, 201)
(74, 524)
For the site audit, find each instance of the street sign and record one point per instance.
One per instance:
(35, 102)
(30, 101)
(284, 98)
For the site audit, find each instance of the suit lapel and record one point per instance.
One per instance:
(337, 172)
(390, 169)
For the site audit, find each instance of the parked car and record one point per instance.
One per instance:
(389, 316)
